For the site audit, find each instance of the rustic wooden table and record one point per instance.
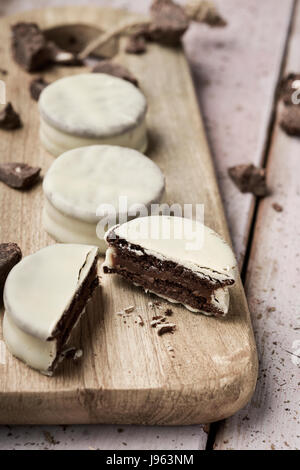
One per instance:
(236, 71)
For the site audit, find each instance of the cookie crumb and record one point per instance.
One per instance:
(166, 328)
(140, 320)
(129, 309)
(169, 312)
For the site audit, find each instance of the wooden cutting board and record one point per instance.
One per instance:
(128, 373)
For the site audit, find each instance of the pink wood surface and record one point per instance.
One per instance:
(236, 70)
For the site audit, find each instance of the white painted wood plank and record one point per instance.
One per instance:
(236, 70)
(272, 420)
(90, 437)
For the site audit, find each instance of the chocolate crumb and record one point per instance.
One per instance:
(3, 71)
(36, 87)
(136, 44)
(277, 207)
(166, 328)
(19, 175)
(287, 87)
(249, 179)
(111, 68)
(206, 428)
(169, 312)
(49, 438)
(290, 120)
(140, 320)
(9, 118)
(169, 22)
(10, 254)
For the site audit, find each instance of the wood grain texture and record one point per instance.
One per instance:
(271, 420)
(127, 374)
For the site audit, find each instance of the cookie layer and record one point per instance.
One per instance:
(178, 259)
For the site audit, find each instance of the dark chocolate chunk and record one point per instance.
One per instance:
(34, 52)
(10, 254)
(204, 11)
(277, 207)
(3, 71)
(286, 89)
(36, 87)
(9, 118)
(169, 22)
(136, 44)
(29, 46)
(165, 328)
(111, 68)
(249, 179)
(290, 120)
(19, 175)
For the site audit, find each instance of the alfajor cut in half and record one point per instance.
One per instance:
(45, 295)
(90, 109)
(178, 259)
(85, 183)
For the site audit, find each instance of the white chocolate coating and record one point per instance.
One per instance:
(57, 142)
(82, 179)
(174, 239)
(67, 229)
(87, 109)
(40, 288)
(33, 351)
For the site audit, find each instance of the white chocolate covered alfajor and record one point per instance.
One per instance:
(82, 181)
(44, 297)
(176, 258)
(90, 109)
